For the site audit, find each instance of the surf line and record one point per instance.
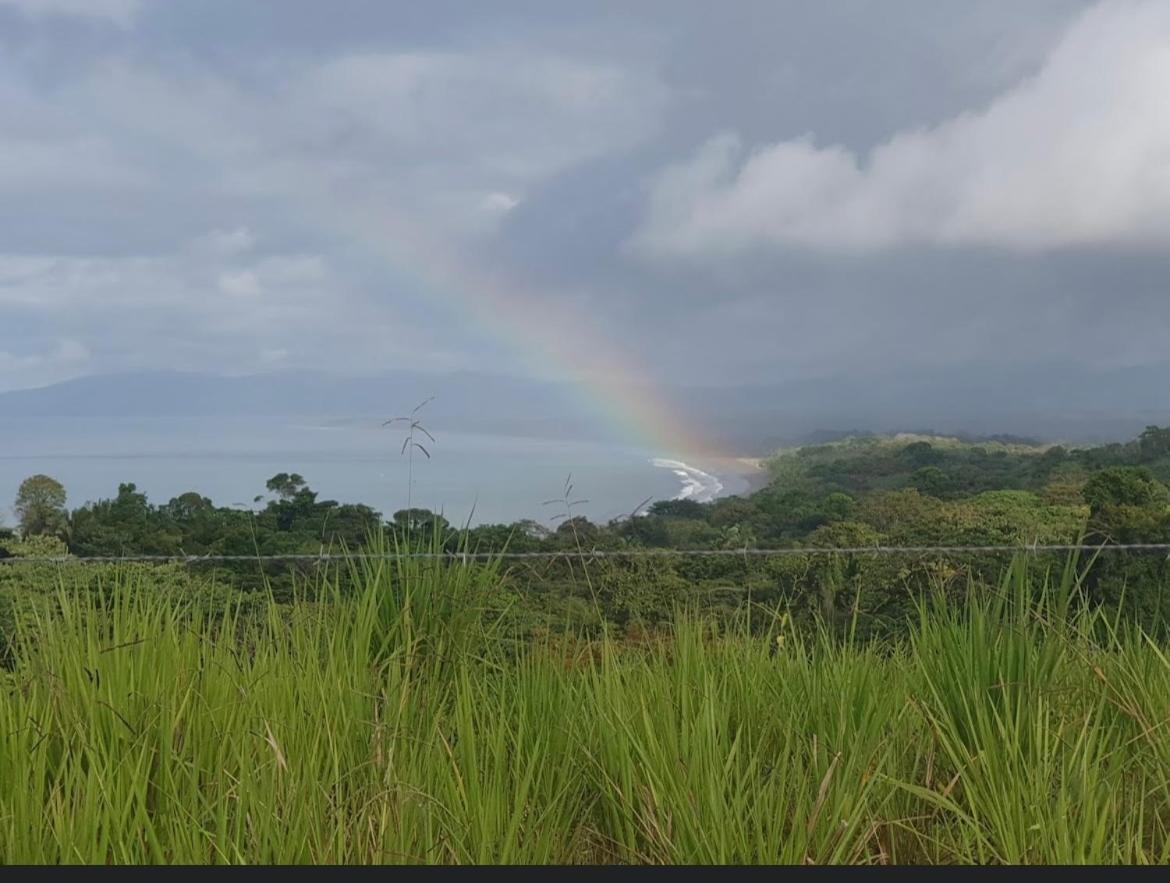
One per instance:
(697, 485)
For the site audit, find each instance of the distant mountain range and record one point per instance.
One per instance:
(166, 394)
(1053, 402)
(1058, 402)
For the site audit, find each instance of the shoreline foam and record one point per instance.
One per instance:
(697, 485)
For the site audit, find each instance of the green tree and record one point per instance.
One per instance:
(930, 480)
(683, 508)
(837, 506)
(1124, 486)
(1128, 505)
(416, 519)
(577, 530)
(285, 485)
(532, 529)
(423, 530)
(731, 511)
(40, 506)
(647, 530)
(520, 536)
(1154, 442)
(128, 524)
(921, 453)
(189, 505)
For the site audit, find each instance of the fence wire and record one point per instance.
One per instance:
(589, 554)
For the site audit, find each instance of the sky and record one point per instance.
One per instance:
(716, 193)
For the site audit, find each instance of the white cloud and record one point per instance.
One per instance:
(190, 282)
(188, 309)
(279, 272)
(120, 12)
(515, 115)
(243, 283)
(224, 242)
(1078, 154)
(445, 140)
(499, 203)
(53, 283)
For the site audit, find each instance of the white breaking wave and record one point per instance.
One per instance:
(697, 485)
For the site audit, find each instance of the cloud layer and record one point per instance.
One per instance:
(1076, 155)
(887, 186)
(120, 12)
(199, 216)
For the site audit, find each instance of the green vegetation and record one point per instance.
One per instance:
(40, 506)
(800, 708)
(393, 722)
(856, 493)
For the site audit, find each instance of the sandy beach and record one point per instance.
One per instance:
(755, 472)
(741, 475)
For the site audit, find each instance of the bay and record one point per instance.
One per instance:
(468, 476)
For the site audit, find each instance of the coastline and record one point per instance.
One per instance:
(708, 479)
(757, 474)
(751, 471)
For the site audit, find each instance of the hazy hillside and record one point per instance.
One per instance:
(1062, 402)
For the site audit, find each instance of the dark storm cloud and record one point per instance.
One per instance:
(167, 171)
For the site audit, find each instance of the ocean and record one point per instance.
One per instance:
(478, 477)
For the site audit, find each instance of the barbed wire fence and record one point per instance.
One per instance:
(578, 554)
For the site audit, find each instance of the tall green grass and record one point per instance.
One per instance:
(386, 724)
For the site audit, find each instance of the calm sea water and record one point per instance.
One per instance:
(491, 478)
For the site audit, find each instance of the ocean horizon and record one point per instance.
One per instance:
(470, 477)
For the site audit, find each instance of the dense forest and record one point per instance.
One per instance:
(905, 490)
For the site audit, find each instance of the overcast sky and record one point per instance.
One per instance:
(732, 191)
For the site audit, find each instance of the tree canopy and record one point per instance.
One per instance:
(40, 507)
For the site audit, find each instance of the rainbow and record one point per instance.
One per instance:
(553, 338)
